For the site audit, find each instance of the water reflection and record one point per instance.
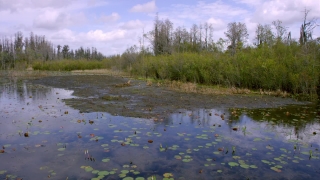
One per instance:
(200, 144)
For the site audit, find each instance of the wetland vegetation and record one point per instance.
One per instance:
(60, 127)
(201, 110)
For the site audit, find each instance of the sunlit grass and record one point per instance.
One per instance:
(68, 65)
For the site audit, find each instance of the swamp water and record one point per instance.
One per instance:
(42, 138)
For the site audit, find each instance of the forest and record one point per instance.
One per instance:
(274, 62)
(25, 51)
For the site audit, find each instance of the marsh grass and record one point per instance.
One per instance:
(288, 68)
(68, 65)
(188, 87)
(110, 72)
(30, 73)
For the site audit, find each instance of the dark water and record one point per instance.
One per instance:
(63, 143)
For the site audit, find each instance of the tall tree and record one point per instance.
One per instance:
(237, 34)
(264, 35)
(306, 29)
(281, 31)
(161, 36)
(65, 51)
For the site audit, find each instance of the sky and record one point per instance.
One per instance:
(112, 26)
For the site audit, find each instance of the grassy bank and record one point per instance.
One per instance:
(280, 68)
(68, 65)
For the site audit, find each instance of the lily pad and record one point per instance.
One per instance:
(233, 164)
(253, 166)
(103, 173)
(245, 166)
(105, 160)
(95, 172)
(128, 178)
(124, 171)
(88, 168)
(167, 175)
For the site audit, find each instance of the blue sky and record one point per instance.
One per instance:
(114, 25)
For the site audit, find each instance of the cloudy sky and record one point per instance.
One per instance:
(114, 25)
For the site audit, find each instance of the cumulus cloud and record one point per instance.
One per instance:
(64, 35)
(218, 24)
(99, 35)
(145, 8)
(111, 18)
(288, 11)
(52, 19)
(135, 24)
(18, 5)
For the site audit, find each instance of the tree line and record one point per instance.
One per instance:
(38, 48)
(275, 61)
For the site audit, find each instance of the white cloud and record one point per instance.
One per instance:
(99, 35)
(288, 11)
(146, 8)
(134, 24)
(111, 18)
(64, 35)
(18, 5)
(52, 19)
(108, 25)
(218, 24)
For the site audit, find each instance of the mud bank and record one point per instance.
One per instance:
(102, 93)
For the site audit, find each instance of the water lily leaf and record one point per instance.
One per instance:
(167, 175)
(186, 160)
(275, 169)
(128, 178)
(124, 171)
(103, 173)
(245, 166)
(233, 164)
(105, 160)
(95, 172)
(136, 172)
(88, 168)
(265, 161)
(257, 139)
(253, 166)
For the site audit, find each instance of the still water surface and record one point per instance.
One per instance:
(42, 138)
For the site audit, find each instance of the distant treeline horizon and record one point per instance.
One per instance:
(38, 48)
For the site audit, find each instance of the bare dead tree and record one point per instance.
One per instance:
(237, 34)
(307, 27)
(281, 31)
(264, 35)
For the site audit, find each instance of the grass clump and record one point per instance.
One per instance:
(68, 65)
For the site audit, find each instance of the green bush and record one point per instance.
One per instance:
(68, 65)
(293, 68)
